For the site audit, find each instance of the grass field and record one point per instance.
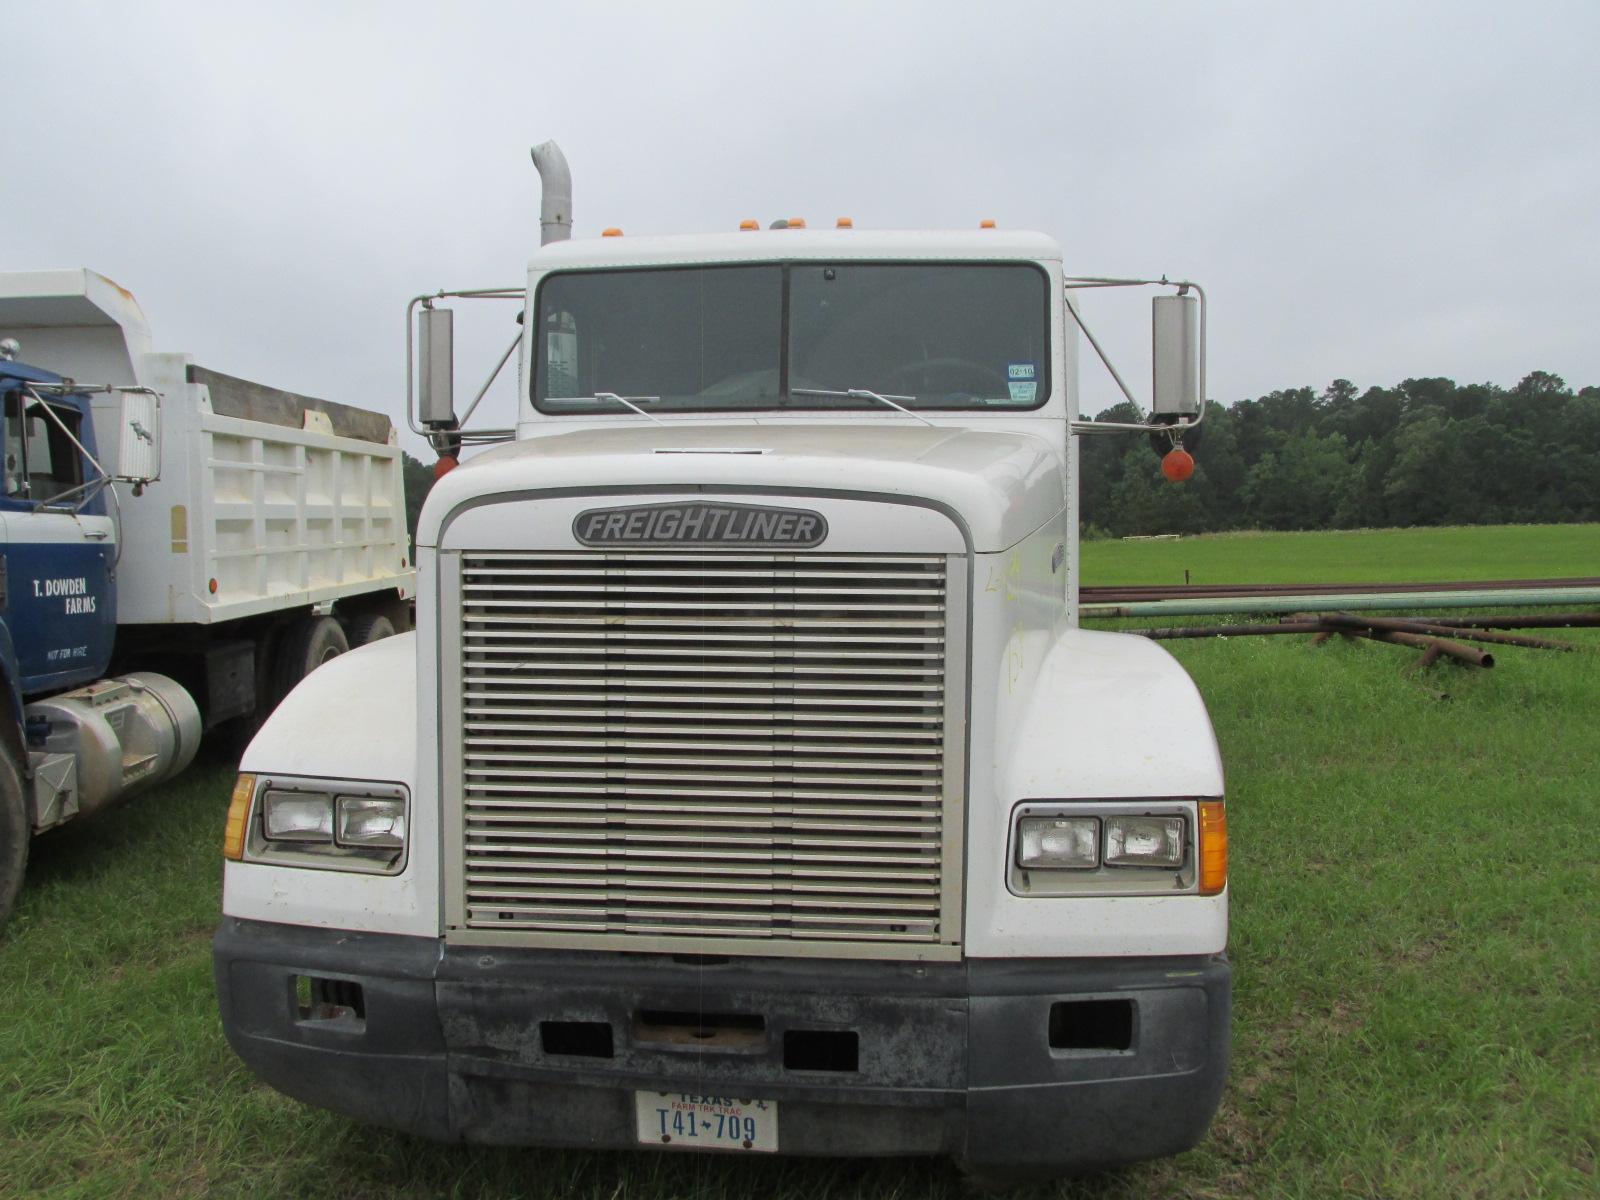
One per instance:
(1351, 556)
(1416, 992)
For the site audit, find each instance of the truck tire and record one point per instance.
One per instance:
(368, 627)
(15, 830)
(309, 642)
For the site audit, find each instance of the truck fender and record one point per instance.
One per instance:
(1110, 715)
(354, 717)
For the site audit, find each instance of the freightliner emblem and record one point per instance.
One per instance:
(700, 523)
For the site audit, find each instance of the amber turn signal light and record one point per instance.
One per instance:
(1213, 847)
(244, 790)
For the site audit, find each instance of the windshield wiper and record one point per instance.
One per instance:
(626, 402)
(864, 394)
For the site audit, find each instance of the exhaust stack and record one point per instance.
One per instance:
(555, 206)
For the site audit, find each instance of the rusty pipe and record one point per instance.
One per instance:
(1435, 629)
(1259, 629)
(1586, 620)
(1470, 655)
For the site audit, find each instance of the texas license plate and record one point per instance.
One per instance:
(683, 1121)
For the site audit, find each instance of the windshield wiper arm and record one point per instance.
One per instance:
(864, 394)
(628, 402)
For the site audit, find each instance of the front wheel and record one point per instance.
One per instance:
(15, 830)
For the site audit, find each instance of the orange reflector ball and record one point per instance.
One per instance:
(612, 232)
(444, 466)
(749, 224)
(1178, 465)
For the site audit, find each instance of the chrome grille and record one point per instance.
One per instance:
(715, 745)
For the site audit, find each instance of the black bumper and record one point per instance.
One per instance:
(1031, 1065)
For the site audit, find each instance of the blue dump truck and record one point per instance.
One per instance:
(178, 548)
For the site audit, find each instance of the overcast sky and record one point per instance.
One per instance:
(1372, 191)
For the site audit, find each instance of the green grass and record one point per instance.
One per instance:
(1417, 973)
(1351, 556)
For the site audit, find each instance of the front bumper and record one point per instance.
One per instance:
(1038, 1066)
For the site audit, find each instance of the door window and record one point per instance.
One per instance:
(41, 461)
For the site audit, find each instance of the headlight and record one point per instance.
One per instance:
(356, 826)
(297, 816)
(368, 821)
(1153, 847)
(1058, 843)
(1144, 842)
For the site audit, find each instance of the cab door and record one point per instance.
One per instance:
(58, 548)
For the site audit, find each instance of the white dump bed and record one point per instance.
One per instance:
(267, 500)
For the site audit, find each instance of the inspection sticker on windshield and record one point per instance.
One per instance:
(681, 1121)
(1020, 376)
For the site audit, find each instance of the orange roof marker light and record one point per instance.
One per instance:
(797, 222)
(844, 223)
(612, 232)
(747, 223)
(986, 223)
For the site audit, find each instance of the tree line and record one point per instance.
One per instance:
(1425, 452)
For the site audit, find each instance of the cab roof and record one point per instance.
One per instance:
(780, 245)
(20, 372)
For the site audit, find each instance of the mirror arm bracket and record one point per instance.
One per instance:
(1174, 430)
(426, 301)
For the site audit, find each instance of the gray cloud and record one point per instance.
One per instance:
(1367, 190)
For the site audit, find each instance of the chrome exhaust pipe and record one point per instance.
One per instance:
(555, 206)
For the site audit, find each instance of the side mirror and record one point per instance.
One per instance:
(1175, 327)
(436, 401)
(139, 438)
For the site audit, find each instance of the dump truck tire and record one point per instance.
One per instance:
(15, 830)
(368, 627)
(309, 643)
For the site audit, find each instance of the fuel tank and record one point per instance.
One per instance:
(121, 734)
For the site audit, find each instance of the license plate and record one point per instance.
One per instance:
(681, 1121)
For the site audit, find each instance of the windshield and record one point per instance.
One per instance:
(698, 339)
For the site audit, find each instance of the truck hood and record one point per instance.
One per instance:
(1000, 485)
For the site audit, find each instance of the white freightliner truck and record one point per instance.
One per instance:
(748, 783)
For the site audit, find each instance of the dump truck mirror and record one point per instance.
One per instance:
(139, 448)
(437, 367)
(1175, 329)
